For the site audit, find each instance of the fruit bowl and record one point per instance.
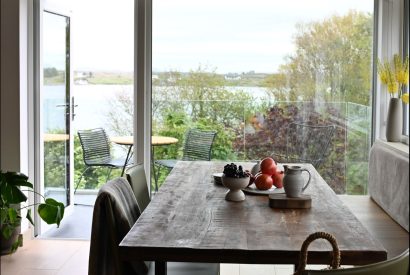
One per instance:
(235, 186)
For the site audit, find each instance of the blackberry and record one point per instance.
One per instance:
(233, 171)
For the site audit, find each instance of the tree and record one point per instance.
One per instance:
(50, 72)
(332, 61)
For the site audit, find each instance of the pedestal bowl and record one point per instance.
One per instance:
(235, 186)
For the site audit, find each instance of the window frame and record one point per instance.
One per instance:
(405, 52)
(390, 20)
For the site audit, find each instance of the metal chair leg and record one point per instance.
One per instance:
(78, 183)
(108, 174)
(156, 176)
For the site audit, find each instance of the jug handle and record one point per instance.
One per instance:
(307, 184)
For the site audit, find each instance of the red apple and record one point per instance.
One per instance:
(263, 182)
(278, 179)
(268, 166)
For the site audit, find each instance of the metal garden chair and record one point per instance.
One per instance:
(96, 152)
(197, 146)
(308, 143)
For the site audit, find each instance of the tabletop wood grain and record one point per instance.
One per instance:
(189, 220)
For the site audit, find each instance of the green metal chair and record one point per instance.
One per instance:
(197, 146)
(96, 152)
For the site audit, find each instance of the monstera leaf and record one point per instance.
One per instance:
(51, 211)
(10, 183)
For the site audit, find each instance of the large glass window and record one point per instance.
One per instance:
(103, 68)
(249, 70)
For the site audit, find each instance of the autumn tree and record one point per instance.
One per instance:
(332, 61)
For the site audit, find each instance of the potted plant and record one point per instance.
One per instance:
(395, 75)
(11, 196)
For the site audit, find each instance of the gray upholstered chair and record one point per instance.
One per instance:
(135, 175)
(397, 266)
(197, 146)
(115, 212)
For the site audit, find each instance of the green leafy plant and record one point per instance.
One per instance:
(11, 195)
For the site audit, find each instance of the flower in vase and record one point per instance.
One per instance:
(405, 98)
(395, 75)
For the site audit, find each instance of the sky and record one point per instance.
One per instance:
(229, 36)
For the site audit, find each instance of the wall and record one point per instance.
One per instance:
(10, 86)
(13, 88)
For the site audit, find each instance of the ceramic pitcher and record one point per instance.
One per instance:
(293, 181)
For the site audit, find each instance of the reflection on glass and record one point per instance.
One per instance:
(251, 70)
(55, 106)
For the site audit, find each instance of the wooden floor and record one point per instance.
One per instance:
(59, 257)
(390, 234)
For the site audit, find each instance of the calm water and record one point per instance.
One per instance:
(94, 102)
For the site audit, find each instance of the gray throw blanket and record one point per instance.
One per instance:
(115, 212)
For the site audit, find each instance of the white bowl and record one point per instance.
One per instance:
(235, 186)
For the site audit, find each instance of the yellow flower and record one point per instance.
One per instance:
(392, 87)
(383, 77)
(382, 70)
(394, 74)
(401, 69)
(405, 98)
(402, 77)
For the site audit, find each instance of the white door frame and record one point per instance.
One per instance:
(40, 6)
(142, 84)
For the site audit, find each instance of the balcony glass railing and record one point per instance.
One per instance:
(253, 130)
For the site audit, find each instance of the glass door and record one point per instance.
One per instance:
(56, 112)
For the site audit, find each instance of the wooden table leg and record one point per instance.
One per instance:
(160, 268)
(295, 267)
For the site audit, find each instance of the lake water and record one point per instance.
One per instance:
(94, 103)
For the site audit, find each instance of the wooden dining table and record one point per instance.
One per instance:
(189, 220)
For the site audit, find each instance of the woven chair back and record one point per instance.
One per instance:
(198, 145)
(95, 145)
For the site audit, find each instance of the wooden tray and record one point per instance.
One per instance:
(281, 201)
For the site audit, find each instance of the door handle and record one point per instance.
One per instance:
(62, 105)
(73, 105)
